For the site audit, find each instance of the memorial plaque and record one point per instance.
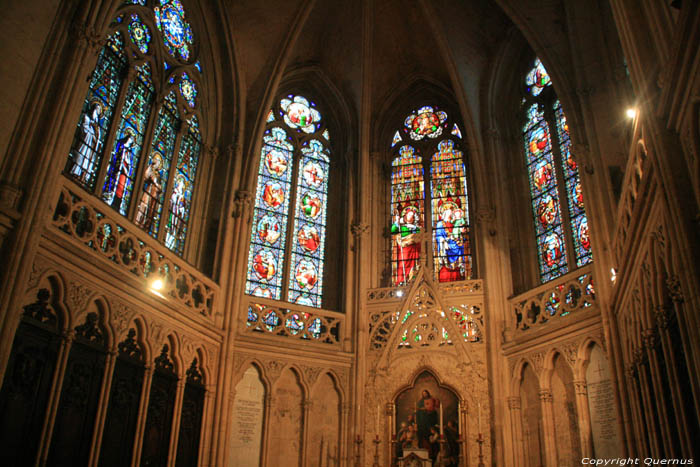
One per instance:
(247, 421)
(601, 404)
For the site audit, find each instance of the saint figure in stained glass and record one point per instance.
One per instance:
(90, 142)
(151, 192)
(120, 169)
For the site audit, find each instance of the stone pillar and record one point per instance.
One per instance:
(305, 442)
(102, 407)
(177, 415)
(517, 429)
(584, 417)
(56, 386)
(143, 413)
(548, 431)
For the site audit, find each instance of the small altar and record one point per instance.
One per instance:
(413, 457)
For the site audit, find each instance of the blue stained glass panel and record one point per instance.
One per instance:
(139, 33)
(98, 111)
(546, 207)
(306, 277)
(177, 33)
(180, 202)
(188, 90)
(268, 236)
(118, 184)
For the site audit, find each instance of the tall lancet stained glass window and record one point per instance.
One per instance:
(561, 225)
(137, 152)
(287, 243)
(433, 160)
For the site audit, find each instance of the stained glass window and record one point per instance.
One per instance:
(561, 236)
(177, 33)
(98, 110)
(545, 197)
(121, 171)
(289, 222)
(156, 176)
(164, 132)
(574, 193)
(425, 122)
(450, 211)
(446, 200)
(407, 201)
(139, 33)
(183, 186)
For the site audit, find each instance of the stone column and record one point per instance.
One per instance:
(584, 417)
(102, 408)
(305, 442)
(516, 422)
(56, 386)
(143, 413)
(177, 415)
(548, 431)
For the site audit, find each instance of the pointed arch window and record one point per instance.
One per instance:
(138, 141)
(563, 243)
(422, 147)
(287, 243)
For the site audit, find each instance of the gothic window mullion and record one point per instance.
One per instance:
(561, 186)
(291, 214)
(427, 242)
(168, 188)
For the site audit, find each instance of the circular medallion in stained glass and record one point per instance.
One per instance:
(264, 265)
(177, 33)
(314, 175)
(542, 175)
(551, 249)
(273, 194)
(308, 238)
(305, 274)
(300, 114)
(139, 33)
(271, 320)
(538, 141)
(546, 211)
(269, 229)
(425, 122)
(304, 299)
(310, 205)
(276, 161)
(188, 90)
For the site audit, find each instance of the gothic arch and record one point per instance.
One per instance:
(140, 325)
(56, 285)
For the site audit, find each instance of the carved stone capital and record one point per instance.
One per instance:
(86, 37)
(486, 214)
(359, 229)
(241, 203)
(663, 317)
(650, 338)
(514, 403)
(546, 396)
(10, 196)
(212, 151)
(581, 387)
(673, 285)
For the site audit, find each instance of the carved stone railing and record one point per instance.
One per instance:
(636, 173)
(274, 318)
(90, 223)
(384, 295)
(555, 299)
